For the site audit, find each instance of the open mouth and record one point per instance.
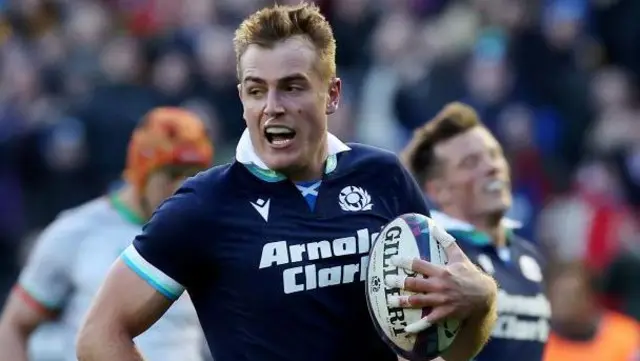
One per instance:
(279, 135)
(495, 186)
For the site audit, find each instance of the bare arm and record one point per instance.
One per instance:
(474, 287)
(474, 334)
(17, 323)
(125, 307)
(42, 289)
(470, 339)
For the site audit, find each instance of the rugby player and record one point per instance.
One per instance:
(272, 247)
(74, 254)
(462, 169)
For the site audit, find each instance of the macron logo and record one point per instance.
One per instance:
(262, 207)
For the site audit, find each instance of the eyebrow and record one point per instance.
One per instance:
(465, 157)
(286, 79)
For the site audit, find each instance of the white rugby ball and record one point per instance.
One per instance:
(415, 236)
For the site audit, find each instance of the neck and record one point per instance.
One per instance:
(496, 232)
(490, 225)
(313, 170)
(130, 198)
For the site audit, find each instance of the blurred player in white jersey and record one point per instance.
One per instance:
(74, 254)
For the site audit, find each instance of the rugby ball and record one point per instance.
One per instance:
(415, 236)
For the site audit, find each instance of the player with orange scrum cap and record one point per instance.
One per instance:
(74, 253)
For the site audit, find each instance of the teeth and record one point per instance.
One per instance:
(278, 130)
(494, 186)
(281, 141)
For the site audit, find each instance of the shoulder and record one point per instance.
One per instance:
(367, 154)
(448, 223)
(211, 178)
(78, 220)
(94, 208)
(624, 325)
(382, 170)
(68, 231)
(527, 247)
(208, 184)
(369, 159)
(623, 319)
(464, 233)
(196, 201)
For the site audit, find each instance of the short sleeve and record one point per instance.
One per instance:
(412, 199)
(165, 253)
(46, 277)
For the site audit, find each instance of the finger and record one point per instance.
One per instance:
(429, 300)
(427, 268)
(436, 315)
(417, 265)
(439, 314)
(414, 284)
(418, 326)
(448, 242)
(395, 281)
(398, 302)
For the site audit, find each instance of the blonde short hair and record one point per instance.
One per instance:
(275, 24)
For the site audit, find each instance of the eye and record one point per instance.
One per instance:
(254, 92)
(470, 161)
(293, 88)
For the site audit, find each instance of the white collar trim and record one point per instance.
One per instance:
(453, 224)
(246, 153)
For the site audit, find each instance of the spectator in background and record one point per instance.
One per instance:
(581, 329)
(530, 164)
(619, 281)
(589, 223)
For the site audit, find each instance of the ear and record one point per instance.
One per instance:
(241, 95)
(335, 88)
(438, 191)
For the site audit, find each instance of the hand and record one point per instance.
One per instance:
(456, 290)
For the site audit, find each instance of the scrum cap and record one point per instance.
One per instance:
(167, 136)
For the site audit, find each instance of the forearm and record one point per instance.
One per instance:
(105, 345)
(474, 333)
(13, 344)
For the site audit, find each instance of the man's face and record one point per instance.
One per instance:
(570, 300)
(286, 102)
(475, 178)
(163, 182)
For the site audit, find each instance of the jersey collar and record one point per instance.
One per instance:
(462, 229)
(246, 154)
(124, 211)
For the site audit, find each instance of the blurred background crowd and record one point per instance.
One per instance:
(556, 80)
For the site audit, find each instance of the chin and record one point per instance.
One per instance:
(496, 211)
(282, 163)
(498, 205)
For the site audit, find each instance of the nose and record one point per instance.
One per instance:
(491, 165)
(273, 106)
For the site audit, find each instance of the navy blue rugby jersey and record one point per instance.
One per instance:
(271, 276)
(523, 310)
